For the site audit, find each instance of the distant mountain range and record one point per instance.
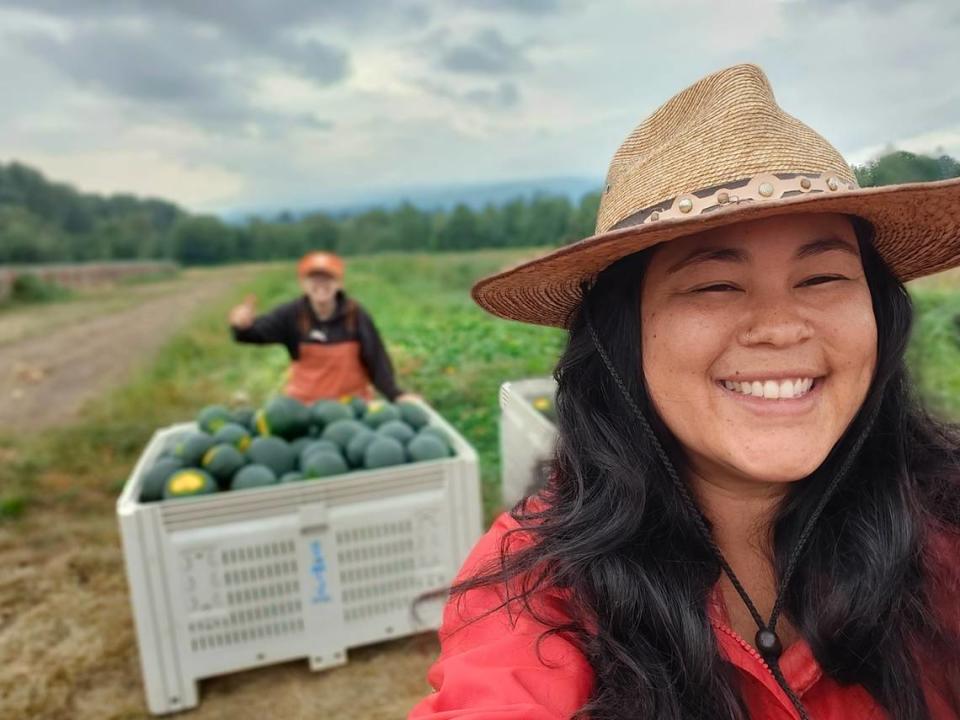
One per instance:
(430, 197)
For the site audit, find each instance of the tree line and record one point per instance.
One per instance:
(44, 221)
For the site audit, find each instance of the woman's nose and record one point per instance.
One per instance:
(776, 325)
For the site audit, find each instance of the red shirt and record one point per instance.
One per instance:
(490, 669)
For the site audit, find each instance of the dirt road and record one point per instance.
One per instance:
(54, 358)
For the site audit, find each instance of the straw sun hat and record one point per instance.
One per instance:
(722, 151)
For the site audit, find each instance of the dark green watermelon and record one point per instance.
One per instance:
(253, 476)
(397, 429)
(413, 415)
(384, 451)
(324, 463)
(341, 431)
(274, 452)
(427, 447)
(154, 480)
(358, 446)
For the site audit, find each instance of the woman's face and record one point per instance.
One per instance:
(759, 344)
(321, 288)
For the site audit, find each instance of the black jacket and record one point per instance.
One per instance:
(295, 322)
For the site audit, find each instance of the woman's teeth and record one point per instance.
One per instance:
(772, 389)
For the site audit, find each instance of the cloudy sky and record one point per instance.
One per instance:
(271, 103)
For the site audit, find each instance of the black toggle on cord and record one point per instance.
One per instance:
(766, 640)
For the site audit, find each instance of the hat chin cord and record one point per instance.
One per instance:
(766, 640)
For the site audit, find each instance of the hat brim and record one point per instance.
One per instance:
(917, 232)
(321, 270)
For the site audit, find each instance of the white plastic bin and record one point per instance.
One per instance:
(236, 580)
(527, 437)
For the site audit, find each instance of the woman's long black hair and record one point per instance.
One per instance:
(616, 534)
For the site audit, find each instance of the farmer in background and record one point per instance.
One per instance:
(335, 349)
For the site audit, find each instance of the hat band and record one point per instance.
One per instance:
(759, 188)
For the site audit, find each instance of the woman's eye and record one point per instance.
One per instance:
(821, 280)
(717, 287)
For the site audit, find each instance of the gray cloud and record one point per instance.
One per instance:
(315, 123)
(164, 64)
(948, 12)
(134, 64)
(500, 96)
(525, 7)
(485, 53)
(503, 96)
(100, 45)
(244, 18)
(873, 5)
(324, 64)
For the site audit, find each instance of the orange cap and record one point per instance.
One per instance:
(320, 262)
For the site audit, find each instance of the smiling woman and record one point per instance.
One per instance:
(749, 515)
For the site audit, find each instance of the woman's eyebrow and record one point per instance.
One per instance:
(721, 254)
(708, 254)
(827, 244)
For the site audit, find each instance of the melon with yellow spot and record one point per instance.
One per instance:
(379, 412)
(222, 461)
(233, 434)
(192, 446)
(545, 406)
(213, 417)
(284, 416)
(189, 482)
(356, 403)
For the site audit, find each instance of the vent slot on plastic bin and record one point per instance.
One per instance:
(377, 564)
(261, 590)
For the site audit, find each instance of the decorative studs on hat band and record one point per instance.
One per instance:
(759, 188)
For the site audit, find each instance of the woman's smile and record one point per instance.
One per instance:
(794, 395)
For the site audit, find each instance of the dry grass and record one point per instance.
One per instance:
(68, 649)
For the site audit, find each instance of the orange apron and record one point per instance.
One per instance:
(328, 372)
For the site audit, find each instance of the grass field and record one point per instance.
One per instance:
(66, 642)
(934, 353)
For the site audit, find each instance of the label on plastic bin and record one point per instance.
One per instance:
(318, 569)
